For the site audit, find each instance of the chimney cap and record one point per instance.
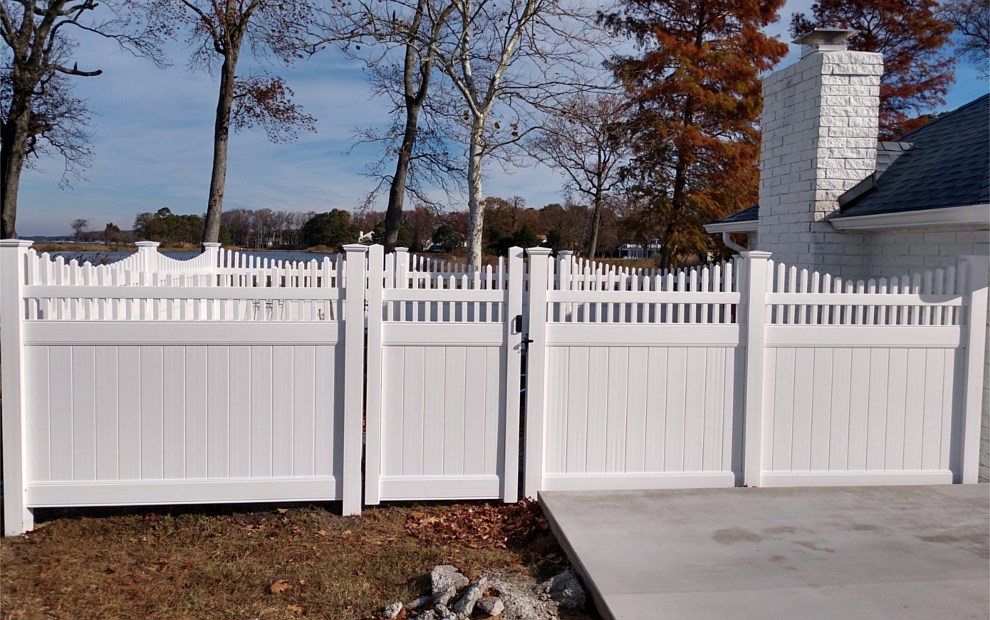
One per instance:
(826, 37)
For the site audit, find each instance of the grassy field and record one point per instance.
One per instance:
(269, 562)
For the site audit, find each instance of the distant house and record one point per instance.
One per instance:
(835, 199)
(636, 250)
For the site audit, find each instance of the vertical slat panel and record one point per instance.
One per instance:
(152, 413)
(239, 458)
(821, 406)
(576, 430)
(656, 409)
(283, 410)
(218, 412)
(925, 445)
(129, 412)
(675, 423)
(859, 408)
(196, 411)
(261, 410)
(304, 400)
(877, 426)
(174, 398)
(329, 411)
(598, 409)
(454, 392)
(615, 427)
(784, 408)
(636, 413)
(494, 404)
(770, 410)
(694, 406)
(474, 412)
(556, 420)
(392, 420)
(106, 413)
(804, 382)
(83, 412)
(39, 429)
(434, 411)
(412, 412)
(898, 388)
(838, 432)
(60, 399)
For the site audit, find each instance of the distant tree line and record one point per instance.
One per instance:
(422, 229)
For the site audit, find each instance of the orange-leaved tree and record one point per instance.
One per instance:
(912, 38)
(694, 100)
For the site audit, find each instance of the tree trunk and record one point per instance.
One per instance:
(221, 135)
(596, 220)
(397, 189)
(476, 205)
(13, 151)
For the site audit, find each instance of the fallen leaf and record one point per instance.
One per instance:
(296, 609)
(417, 515)
(282, 511)
(280, 586)
(321, 532)
(302, 582)
(345, 534)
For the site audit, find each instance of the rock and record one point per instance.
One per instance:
(566, 590)
(443, 613)
(492, 605)
(429, 614)
(520, 598)
(420, 602)
(392, 611)
(445, 581)
(465, 605)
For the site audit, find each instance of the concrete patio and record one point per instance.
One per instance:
(840, 552)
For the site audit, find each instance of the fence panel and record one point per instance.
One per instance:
(443, 388)
(147, 384)
(642, 377)
(863, 379)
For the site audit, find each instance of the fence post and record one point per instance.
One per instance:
(148, 253)
(354, 292)
(536, 329)
(978, 275)
(565, 269)
(373, 443)
(17, 518)
(212, 250)
(753, 323)
(513, 371)
(401, 270)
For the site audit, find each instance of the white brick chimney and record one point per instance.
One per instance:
(819, 127)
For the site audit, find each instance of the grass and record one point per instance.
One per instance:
(263, 563)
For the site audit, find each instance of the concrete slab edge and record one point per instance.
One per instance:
(575, 560)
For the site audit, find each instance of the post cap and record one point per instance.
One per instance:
(15, 243)
(146, 244)
(355, 247)
(538, 251)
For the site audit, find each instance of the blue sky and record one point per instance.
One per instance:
(152, 144)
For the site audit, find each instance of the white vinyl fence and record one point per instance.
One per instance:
(230, 378)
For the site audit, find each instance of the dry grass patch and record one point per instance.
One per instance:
(263, 563)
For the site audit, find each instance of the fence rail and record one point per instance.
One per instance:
(230, 377)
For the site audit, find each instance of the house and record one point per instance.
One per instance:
(834, 198)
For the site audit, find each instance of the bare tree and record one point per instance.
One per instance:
(584, 142)
(972, 21)
(78, 228)
(219, 29)
(506, 59)
(397, 39)
(38, 114)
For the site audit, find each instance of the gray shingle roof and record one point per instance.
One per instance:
(945, 163)
(948, 165)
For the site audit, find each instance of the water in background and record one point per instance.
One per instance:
(104, 258)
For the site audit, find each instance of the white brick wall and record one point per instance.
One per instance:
(819, 139)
